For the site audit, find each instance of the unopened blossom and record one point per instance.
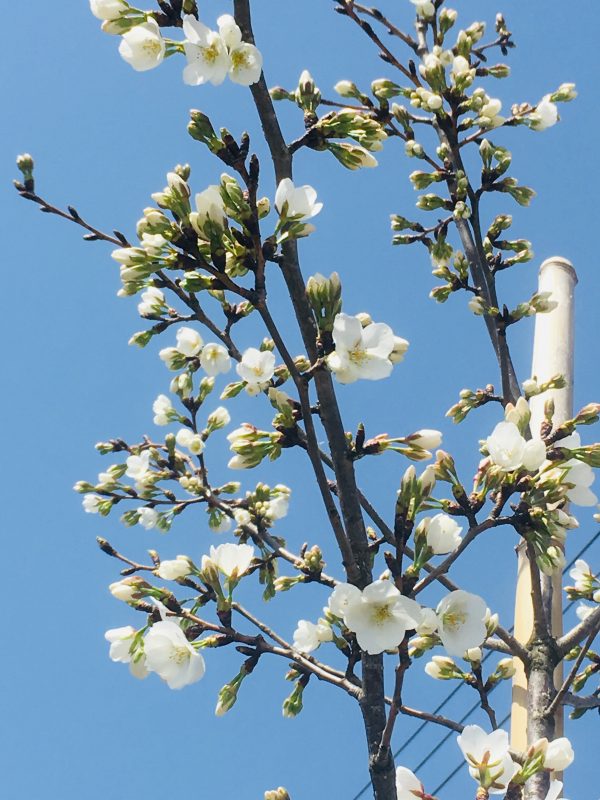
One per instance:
(107, 9)
(176, 568)
(232, 559)
(296, 202)
(215, 359)
(489, 114)
(209, 206)
(190, 440)
(218, 419)
(143, 46)
(488, 757)
(360, 352)
(408, 786)
(256, 366)
(442, 668)
(399, 350)
(189, 342)
(153, 302)
(443, 534)
(545, 114)
(426, 438)
(461, 618)
(582, 575)
(509, 450)
(246, 59)
(206, 53)
(279, 504)
(91, 503)
(424, 8)
(171, 656)
(559, 754)
(342, 595)
(148, 517)
(121, 641)
(138, 466)
(428, 623)
(381, 616)
(218, 522)
(308, 636)
(163, 409)
(127, 590)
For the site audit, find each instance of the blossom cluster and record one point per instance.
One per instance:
(211, 55)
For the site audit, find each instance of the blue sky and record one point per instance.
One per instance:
(103, 136)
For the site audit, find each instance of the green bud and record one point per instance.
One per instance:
(347, 89)
(384, 89)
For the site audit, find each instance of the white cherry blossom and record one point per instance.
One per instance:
(461, 618)
(488, 757)
(308, 636)
(246, 59)
(148, 517)
(121, 640)
(579, 474)
(360, 352)
(143, 46)
(381, 616)
(545, 115)
(231, 559)
(509, 450)
(443, 534)
(189, 342)
(171, 656)
(162, 408)
(582, 575)
(215, 359)
(190, 440)
(342, 595)
(256, 366)
(107, 9)
(297, 202)
(176, 568)
(424, 8)
(138, 466)
(209, 206)
(153, 301)
(559, 754)
(408, 786)
(206, 53)
(91, 502)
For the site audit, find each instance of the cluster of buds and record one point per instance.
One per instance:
(540, 303)
(532, 387)
(325, 297)
(414, 491)
(277, 794)
(429, 101)
(469, 400)
(352, 124)
(251, 446)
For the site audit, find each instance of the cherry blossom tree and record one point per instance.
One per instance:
(203, 266)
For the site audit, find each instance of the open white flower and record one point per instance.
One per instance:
(582, 575)
(148, 517)
(246, 59)
(509, 450)
(545, 115)
(163, 409)
(443, 534)
(121, 640)
(579, 474)
(171, 656)
(107, 9)
(189, 342)
(206, 53)
(297, 202)
(360, 352)
(215, 359)
(308, 636)
(176, 568)
(143, 46)
(488, 757)
(381, 616)
(408, 786)
(583, 611)
(138, 466)
(256, 366)
(190, 440)
(559, 754)
(461, 618)
(232, 559)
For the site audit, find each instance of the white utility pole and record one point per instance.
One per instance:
(552, 355)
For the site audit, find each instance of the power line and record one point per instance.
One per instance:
(456, 689)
